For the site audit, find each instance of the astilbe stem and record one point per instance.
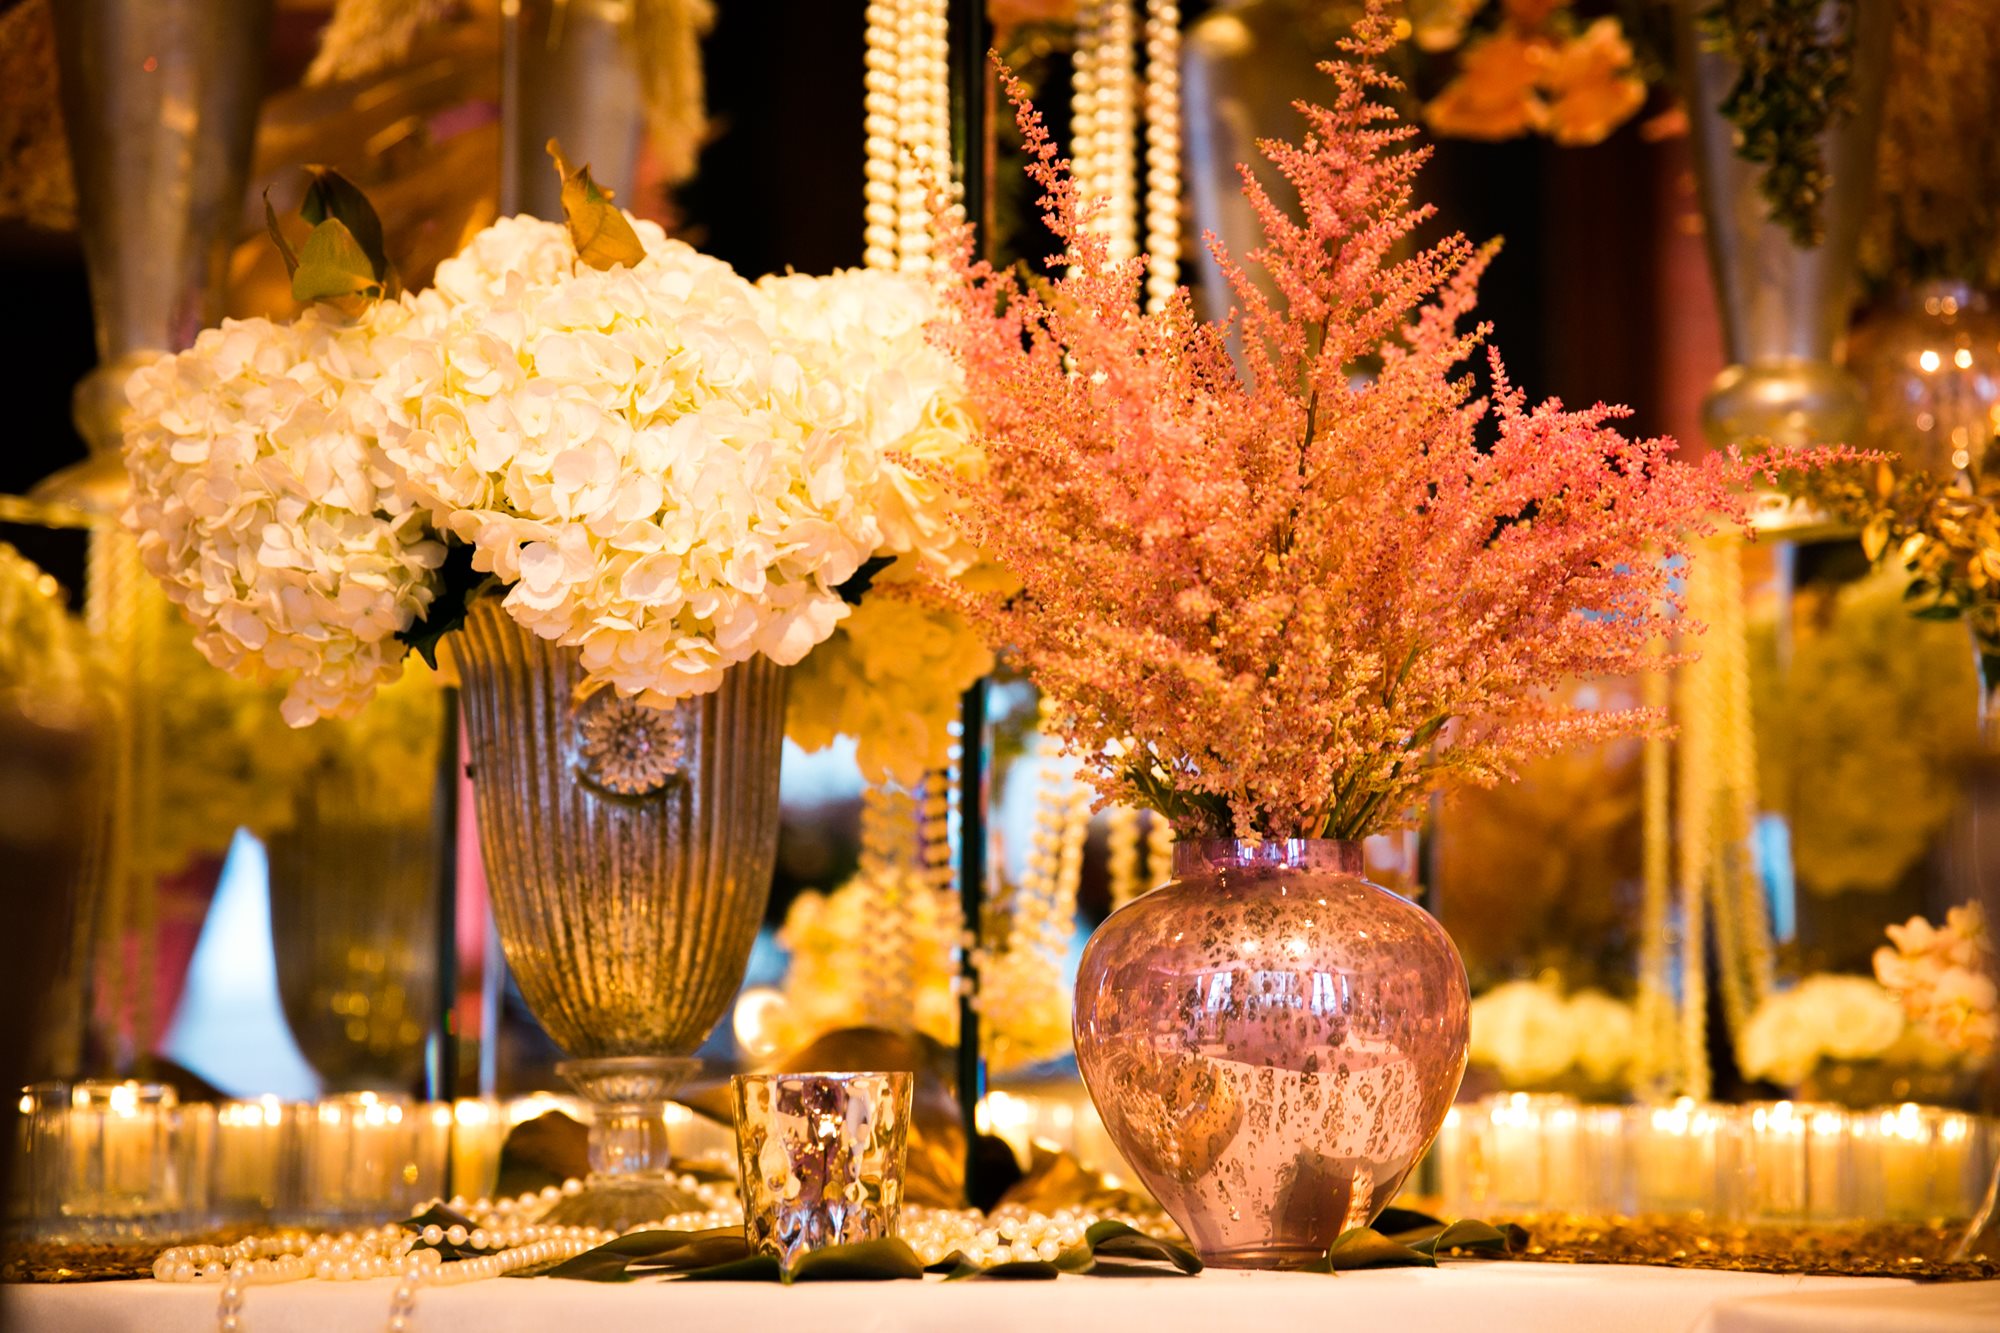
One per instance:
(1302, 597)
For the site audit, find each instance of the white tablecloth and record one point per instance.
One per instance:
(1485, 1297)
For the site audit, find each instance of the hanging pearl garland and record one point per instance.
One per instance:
(1163, 152)
(1104, 122)
(908, 129)
(889, 836)
(1122, 846)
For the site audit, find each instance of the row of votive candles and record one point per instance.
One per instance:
(129, 1161)
(1757, 1162)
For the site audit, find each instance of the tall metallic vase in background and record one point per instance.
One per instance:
(1784, 306)
(160, 98)
(570, 74)
(629, 853)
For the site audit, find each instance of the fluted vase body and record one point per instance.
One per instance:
(628, 853)
(1272, 1042)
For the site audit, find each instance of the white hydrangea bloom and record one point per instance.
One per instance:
(264, 505)
(863, 332)
(613, 446)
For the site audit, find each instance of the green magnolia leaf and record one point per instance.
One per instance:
(1030, 1270)
(1122, 1241)
(332, 267)
(1365, 1247)
(861, 580)
(285, 250)
(460, 583)
(330, 195)
(650, 1252)
(755, 1268)
(1398, 1223)
(891, 1260)
(597, 228)
(1472, 1234)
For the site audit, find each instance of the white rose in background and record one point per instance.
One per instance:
(1530, 1033)
(266, 508)
(1824, 1017)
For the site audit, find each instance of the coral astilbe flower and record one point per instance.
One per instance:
(1288, 601)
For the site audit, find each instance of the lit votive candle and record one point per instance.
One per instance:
(122, 1180)
(254, 1140)
(1679, 1155)
(360, 1158)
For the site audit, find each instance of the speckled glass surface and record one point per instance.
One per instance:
(628, 850)
(1273, 1042)
(822, 1158)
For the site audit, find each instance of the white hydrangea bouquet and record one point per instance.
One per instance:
(642, 454)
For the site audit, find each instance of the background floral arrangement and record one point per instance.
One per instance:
(1529, 67)
(1862, 693)
(1531, 1033)
(611, 432)
(827, 936)
(1826, 1016)
(1944, 977)
(1286, 602)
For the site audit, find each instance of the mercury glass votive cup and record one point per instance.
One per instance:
(822, 1158)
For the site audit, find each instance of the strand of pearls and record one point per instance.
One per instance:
(1011, 1233)
(1122, 846)
(1159, 851)
(908, 127)
(1163, 152)
(1104, 121)
(889, 835)
(882, 124)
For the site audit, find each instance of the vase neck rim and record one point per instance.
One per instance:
(1197, 856)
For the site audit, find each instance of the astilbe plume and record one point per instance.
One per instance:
(1288, 600)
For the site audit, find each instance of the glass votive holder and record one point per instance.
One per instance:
(1682, 1159)
(821, 1157)
(40, 1148)
(1914, 1164)
(1521, 1153)
(359, 1160)
(253, 1165)
(127, 1163)
(1790, 1161)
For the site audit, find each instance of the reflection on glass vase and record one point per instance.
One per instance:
(1273, 1042)
(628, 853)
(1982, 1236)
(354, 918)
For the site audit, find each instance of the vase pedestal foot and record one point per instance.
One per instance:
(632, 1179)
(1266, 1257)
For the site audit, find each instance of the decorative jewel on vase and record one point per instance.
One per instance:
(626, 748)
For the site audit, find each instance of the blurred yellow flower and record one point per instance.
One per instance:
(1592, 89)
(1495, 94)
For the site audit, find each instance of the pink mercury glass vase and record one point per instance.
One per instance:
(1273, 1042)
